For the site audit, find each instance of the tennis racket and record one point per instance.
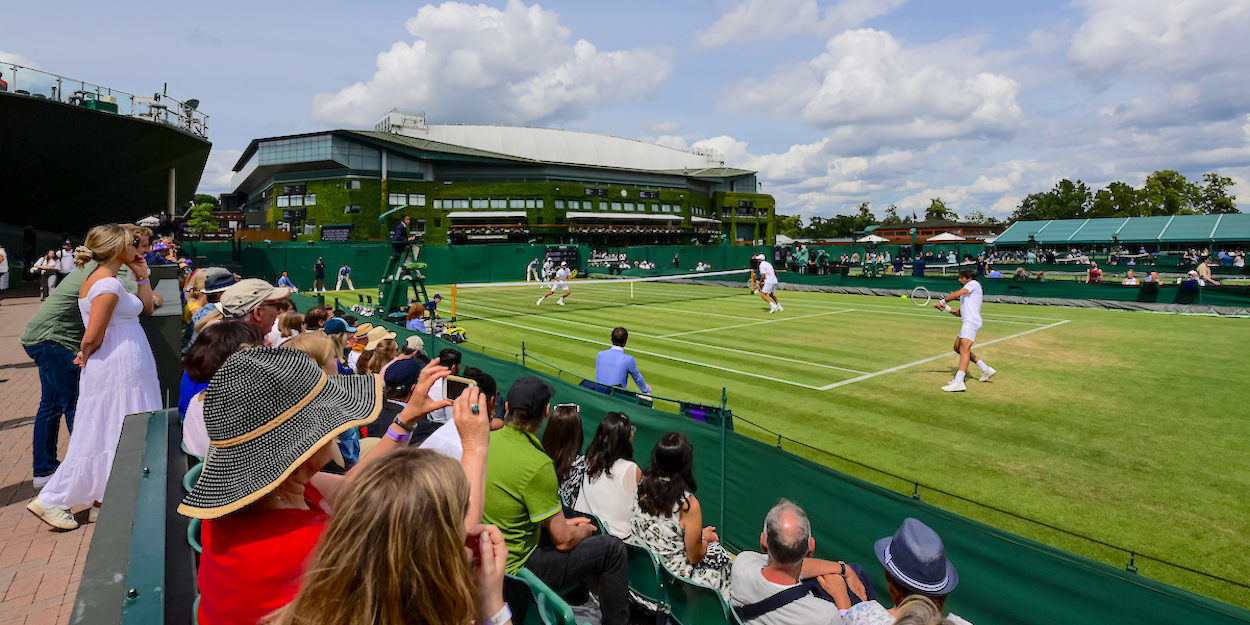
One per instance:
(572, 274)
(920, 296)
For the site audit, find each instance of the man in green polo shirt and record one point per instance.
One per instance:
(522, 498)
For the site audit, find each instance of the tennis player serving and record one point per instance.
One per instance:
(969, 311)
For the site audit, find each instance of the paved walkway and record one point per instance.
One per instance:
(39, 566)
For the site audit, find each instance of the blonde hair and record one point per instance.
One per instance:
(103, 243)
(920, 610)
(394, 551)
(290, 323)
(317, 345)
(373, 360)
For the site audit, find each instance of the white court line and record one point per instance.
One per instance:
(755, 323)
(995, 318)
(676, 310)
(671, 340)
(656, 354)
(932, 358)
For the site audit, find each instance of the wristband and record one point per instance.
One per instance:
(398, 437)
(842, 613)
(143, 281)
(404, 426)
(502, 616)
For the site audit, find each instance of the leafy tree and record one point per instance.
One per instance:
(1067, 200)
(977, 217)
(790, 225)
(891, 216)
(937, 211)
(863, 218)
(1213, 199)
(1118, 200)
(202, 219)
(1167, 192)
(204, 198)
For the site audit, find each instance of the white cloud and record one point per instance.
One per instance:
(875, 90)
(475, 63)
(661, 128)
(752, 20)
(218, 171)
(13, 57)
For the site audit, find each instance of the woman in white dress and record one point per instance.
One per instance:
(611, 482)
(118, 376)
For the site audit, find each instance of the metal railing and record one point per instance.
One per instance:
(35, 83)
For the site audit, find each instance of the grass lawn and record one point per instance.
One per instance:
(1125, 427)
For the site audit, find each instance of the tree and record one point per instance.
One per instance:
(863, 218)
(937, 211)
(203, 198)
(1167, 192)
(977, 217)
(202, 218)
(1213, 199)
(891, 216)
(790, 225)
(1118, 200)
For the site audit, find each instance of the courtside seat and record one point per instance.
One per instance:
(533, 602)
(646, 578)
(193, 535)
(596, 387)
(692, 603)
(192, 476)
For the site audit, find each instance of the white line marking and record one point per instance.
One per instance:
(997, 318)
(676, 310)
(932, 358)
(671, 340)
(754, 323)
(656, 354)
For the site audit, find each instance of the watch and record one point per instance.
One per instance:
(405, 426)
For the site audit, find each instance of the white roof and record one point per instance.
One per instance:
(583, 215)
(945, 237)
(472, 214)
(563, 146)
(704, 220)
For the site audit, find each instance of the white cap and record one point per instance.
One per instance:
(758, 257)
(563, 264)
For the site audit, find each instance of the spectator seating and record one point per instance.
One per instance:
(692, 603)
(646, 578)
(533, 602)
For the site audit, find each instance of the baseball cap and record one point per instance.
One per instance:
(336, 326)
(402, 373)
(414, 343)
(530, 394)
(245, 295)
(758, 257)
(1192, 272)
(363, 329)
(437, 296)
(563, 264)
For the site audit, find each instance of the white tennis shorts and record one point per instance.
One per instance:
(969, 330)
(769, 286)
(560, 285)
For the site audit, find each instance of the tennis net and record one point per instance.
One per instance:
(504, 299)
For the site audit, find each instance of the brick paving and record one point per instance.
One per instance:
(39, 566)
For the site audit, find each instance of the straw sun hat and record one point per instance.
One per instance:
(267, 411)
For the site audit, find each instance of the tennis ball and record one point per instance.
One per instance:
(903, 296)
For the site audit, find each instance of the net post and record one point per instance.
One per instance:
(453, 301)
(631, 290)
(522, 353)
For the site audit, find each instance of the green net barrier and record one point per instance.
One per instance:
(1004, 578)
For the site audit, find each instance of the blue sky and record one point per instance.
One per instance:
(834, 102)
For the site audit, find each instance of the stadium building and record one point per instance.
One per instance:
(478, 184)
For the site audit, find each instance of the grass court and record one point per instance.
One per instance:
(1126, 427)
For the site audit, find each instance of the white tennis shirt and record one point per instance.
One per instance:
(767, 272)
(970, 303)
(562, 274)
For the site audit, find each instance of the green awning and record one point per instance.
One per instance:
(1189, 229)
(1176, 229)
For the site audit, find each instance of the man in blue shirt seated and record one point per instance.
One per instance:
(614, 367)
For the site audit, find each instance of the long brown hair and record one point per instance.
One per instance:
(563, 439)
(394, 551)
(373, 361)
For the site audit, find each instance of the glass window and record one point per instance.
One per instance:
(460, 203)
(603, 206)
(559, 203)
(351, 209)
(310, 199)
(420, 225)
(417, 199)
(668, 208)
(516, 203)
(530, 204)
(353, 184)
(499, 203)
(480, 203)
(540, 203)
(629, 206)
(397, 199)
(438, 203)
(616, 206)
(284, 201)
(297, 200)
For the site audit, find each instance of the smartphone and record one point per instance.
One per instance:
(454, 385)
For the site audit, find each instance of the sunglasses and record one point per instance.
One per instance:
(573, 406)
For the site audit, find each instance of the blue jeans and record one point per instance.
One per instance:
(58, 375)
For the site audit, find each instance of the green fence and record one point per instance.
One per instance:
(1004, 578)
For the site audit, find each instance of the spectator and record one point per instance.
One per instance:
(399, 381)
(920, 610)
(345, 273)
(289, 324)
(431, 306)
(262, 494)
(118, 373)
(285, 281)
(669, 519)
(1153, 277)
(45, 269)
(1204, 272)
(254, 301)
(610, 487)
(813, 591)
(994, 273)
(1240, 261)
(214, 286)
(563, 442)
(319, 275)
(676, 262)
(321, 349)
(375, 339)
(1021, 275)
(449, 358)
(401, 238)
(1130, 279)
(339, 332)
(446, 438)
(415, 320)
(614, 367)
(1093, 275)
(915, 564)
(315, 317)
(522, 496)
(357, 344)
(917, 267)
(395, 551)
(413, 348)
(65, 257)
(205, 357)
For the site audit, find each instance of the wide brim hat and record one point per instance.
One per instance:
(376, 336)
(916, 558)
(267, 411)
(363, 330)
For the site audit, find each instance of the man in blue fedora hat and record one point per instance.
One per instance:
(915, 564)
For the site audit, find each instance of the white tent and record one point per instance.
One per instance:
(945, 237)
(872, 238)
(784, 240)
(149, 221)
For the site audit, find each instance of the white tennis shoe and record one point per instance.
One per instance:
(780, 308)
(986, 375)
(955, 387)
(560, 301)
(540, 301)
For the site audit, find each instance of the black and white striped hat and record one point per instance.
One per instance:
(267, 411)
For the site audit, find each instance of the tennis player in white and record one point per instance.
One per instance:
(562, 282)
(769, 277)
(970, 311)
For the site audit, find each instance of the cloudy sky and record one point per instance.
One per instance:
(834, 102)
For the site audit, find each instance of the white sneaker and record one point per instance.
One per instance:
(772, 308)
(560, 301)
(955, 387)
(540, 301)
(780, 308)
(986, 375)
(40, 482)
(59, 518)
